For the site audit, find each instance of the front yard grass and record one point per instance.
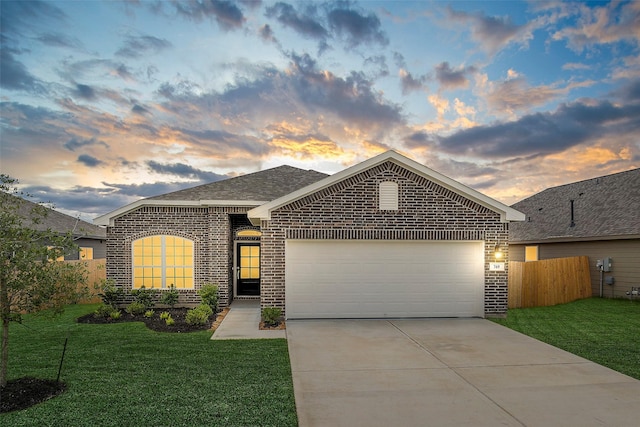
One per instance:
(125, 375)
(605, 331)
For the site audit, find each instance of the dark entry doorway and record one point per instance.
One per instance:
(248, 268)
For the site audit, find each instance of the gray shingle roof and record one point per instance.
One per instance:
(263, 186)
(604, 207)
(60, 223)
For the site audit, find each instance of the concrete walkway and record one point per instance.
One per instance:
(448, 372)
(242, 322)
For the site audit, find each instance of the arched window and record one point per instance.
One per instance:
(388, 194)
(161, 261)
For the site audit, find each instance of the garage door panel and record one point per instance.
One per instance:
(364, 279)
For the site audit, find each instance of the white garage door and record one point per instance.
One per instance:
(377, 279)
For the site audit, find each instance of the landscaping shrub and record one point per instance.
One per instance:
(170, 297)
(103, 311)
(199, 315)
(136, 308)
(209, 295)
(149, 314)
(110, 293)
(165, 315)
(145, 296)
(271, 316)
(169, 320)
(115, 314)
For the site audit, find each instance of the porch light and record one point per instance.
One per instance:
(497, 252)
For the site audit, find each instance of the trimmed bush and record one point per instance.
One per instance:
(199, 315)
(271, 316)
(147, 297)
(209, 295)
(136, 308)
(103, 311)
(110, 293)
(170, 297)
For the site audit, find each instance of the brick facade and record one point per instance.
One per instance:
(349, 210)
(210, 228)
(346, 210)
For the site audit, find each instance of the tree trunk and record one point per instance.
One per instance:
(5, 352)
(5, 314)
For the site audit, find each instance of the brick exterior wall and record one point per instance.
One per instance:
(210, 228)
(349, 210)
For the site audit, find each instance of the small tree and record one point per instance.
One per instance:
(30, 279)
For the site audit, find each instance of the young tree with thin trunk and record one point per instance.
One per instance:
(31, 280)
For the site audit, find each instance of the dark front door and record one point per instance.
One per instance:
(248, 269)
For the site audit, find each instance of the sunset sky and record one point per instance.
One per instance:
(104, 103)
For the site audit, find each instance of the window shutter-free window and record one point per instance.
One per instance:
(161, 261)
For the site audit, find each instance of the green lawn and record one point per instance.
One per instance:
(126, 375)
(605, 331)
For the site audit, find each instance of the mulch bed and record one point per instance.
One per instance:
(25, 392)
(154, 323)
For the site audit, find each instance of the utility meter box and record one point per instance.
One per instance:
(606, 265)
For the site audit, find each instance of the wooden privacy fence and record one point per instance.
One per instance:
(548, 282)
(96, 273)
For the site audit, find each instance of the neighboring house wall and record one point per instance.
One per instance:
(208, 227)
(349, 210)
(99, 248)
(625, 255)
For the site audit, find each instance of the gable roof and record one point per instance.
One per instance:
(606, 207)
(59, 222)
(263, 212)
(252, 189)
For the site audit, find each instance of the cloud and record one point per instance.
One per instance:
(409, 83)
(17, 16)
(14, 75)
(306, 23)
(75, 143)
(139, 109)
(226, 13)
(545, 133)
(492, 33)
(92, 68)
(450, 78)
(575, 66)
(266, 33)
(85, 92)
(184, 171)
(514, 93)
(88, 160)
(356, 28)
(60, 40)
(611, 23)
(136, 47)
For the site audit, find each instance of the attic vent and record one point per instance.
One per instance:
(388, 192)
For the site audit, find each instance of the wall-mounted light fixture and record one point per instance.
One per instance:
(497, 252)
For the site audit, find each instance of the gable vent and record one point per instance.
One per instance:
(388, 192)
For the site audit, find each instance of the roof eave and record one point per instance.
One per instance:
(108, 219)
(568, 239)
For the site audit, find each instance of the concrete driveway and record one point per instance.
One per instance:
(448, 372)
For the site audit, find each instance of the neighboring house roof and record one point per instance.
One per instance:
(263, 212)
(252, 189)
(604, 208)
(59, 222)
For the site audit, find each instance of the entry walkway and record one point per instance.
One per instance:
(448, 372)
(242, 322)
